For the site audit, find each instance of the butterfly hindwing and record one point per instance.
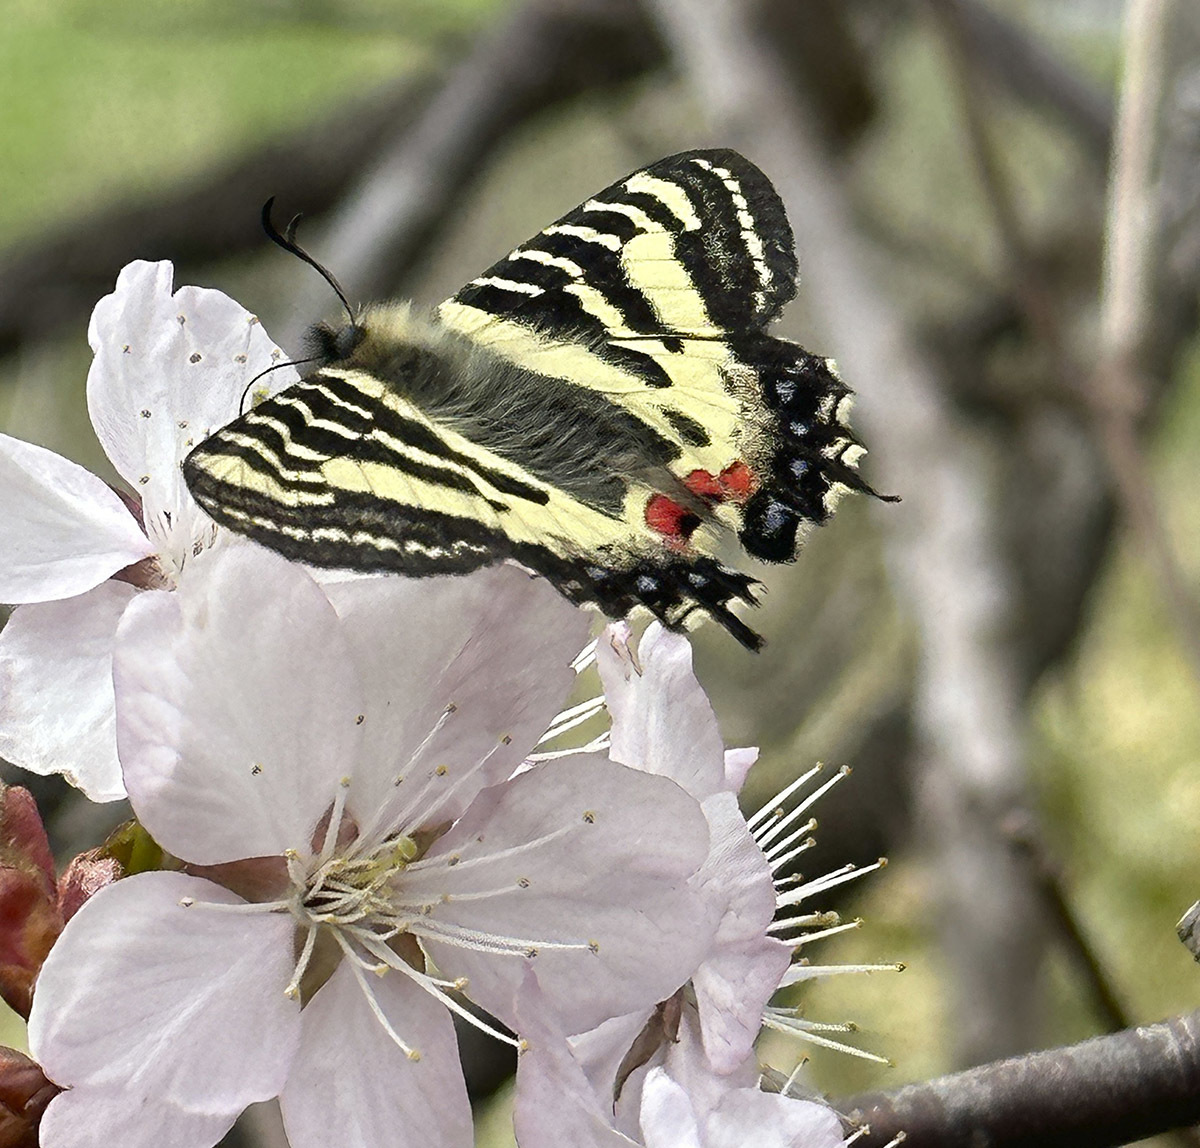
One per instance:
(601, 405)
(657, 292)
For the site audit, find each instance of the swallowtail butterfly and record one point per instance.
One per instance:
(601, 406)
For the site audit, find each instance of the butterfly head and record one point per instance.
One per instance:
(328, 344)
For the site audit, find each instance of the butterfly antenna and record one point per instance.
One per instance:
(288, 242)
(273, 367)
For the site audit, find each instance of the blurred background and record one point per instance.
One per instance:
(1009, 658)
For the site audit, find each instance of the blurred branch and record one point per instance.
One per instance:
(942, 543)
(1132, 216)
(1118, 391)
(545, 52)
(1106, 1091)
(48, 282)
(1036, 76)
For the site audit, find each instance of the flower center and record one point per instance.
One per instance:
(348, 890)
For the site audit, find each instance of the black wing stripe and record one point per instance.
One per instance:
(356, 533)
(386, 423)
(299, 419)
(728, 228)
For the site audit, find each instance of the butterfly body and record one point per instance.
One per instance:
(603, 406)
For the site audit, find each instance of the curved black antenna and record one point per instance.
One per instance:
(288, 242)
(272, 367)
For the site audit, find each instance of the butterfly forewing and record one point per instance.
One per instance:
(597, 406)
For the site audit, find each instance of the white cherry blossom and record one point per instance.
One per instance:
(335, 767)
(663, 723)
(169, 367)
(674, 1100)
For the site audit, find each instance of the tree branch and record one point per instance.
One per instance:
(1118, 391)
(48, 282)
(545, 52)
(1106, 1091)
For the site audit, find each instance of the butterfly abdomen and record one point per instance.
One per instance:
(543, 423)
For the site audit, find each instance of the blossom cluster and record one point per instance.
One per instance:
(364, 820)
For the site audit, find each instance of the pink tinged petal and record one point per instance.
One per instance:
(237, 708)
(732, 990)
(737, 765)
(76, 1118)
(496, 646)
(661, 720)
(745, 966)
(581, 851)
(145, 1004)
(777, 1121)
(56, 691)
(352, 1086)
(603, 1050)
(668, 1119)
(168, 370)
(63, 530)
(555, 1104)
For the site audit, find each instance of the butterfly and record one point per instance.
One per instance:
(603, 406)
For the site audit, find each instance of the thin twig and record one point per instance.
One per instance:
(1029, 283)
(1022, 831)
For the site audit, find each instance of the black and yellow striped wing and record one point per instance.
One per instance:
(600, 405)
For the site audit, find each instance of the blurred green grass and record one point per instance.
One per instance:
(104, 100)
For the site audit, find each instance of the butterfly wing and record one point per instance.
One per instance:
(594, 406)
(657, 293)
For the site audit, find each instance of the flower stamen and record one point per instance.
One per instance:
(433, 986)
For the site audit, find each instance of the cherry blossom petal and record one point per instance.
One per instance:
(147, 1003)
(602, 1051)
(352, 1086)
(582, 851)
(555, 1103)
(495, 645)
(743, 970)
(778, 1122)
(56, 692)
(237, 708)
(737, 766)
(74, 1118)
(668, 1119)
(661, 720)
(168, 370)
(63, 530)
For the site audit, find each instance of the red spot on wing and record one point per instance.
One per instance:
(674, 522)
(704, 484)
(736, 483)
